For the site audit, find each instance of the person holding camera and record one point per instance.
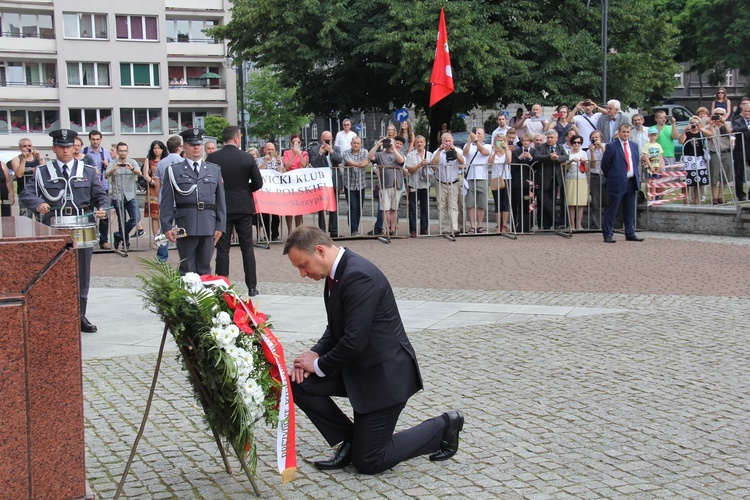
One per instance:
(390, 173)
(596, 180)
(122, 175)
(23, 167)
(533, 121)
(475, 199)
(549, 158)
(326, 156)
(561, 124)
(720, 161)
(271, 161)
(693, 157)
(587, 121)
(448, 160)
(667, 135)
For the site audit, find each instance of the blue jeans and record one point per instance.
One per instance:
(131, 207)
(356, 200)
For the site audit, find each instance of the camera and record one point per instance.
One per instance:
(386, 143)
(716, 118)
(532, 114)
(328, 141)
(473, 130)
(557, 115)
(450, 155)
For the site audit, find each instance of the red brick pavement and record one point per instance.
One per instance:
(531, 263)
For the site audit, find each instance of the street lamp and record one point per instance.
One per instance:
(229, 62)
(605, 20)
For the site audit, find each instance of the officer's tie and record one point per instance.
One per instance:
(196, 167)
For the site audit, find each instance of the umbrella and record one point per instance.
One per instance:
(209, 75)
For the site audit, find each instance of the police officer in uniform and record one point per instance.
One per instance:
(60, 186)
(192, 198)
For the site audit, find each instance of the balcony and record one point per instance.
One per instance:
(28, 44)
(29, 93)
(187, 47)
(199, 5)
(192, 94)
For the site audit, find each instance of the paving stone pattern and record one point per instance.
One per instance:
(651, 402)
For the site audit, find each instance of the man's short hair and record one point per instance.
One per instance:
(306, 238)
(174, 143)
(528, 137)
(637, 115)
(551, 132)
(624, 126)
(660, 111)
(22, 140)
(399, 139)
(512, 130)
(229, 133)
(615, 103)
(93, 133)
(121, 144)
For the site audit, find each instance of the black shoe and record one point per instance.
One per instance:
(609, 240)
(374, 232)
(86, 325)
(449, 444)
(633, 238)
(138, 233)
(340, 459)
(252, 292)
(117, 240)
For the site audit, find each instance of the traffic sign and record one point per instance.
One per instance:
(358, 127)
(401, 115)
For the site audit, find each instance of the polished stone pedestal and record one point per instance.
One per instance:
(41, 403)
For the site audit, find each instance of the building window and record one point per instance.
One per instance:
(28, 121)
(314, 131)
(86, 120)
(28, 74)
(139, 74)
(679, 80)
(184, 120)
(363, 132)
(140, 121)
(729, 79)
(26, 25)
(77, 25)
(136, 27)
(382, 128)
(184, 30)
(191, 76)
(88, 74)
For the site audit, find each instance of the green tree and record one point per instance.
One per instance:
(274, 109)
(715, 36)
(350, 55)
(214, 125)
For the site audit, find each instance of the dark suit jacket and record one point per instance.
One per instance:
(603, 126)
(740, 129)
(548, 168)
(614, 166)
(241, 178)
(365, 339)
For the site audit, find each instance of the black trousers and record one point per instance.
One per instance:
(243, 223)
(740, 158)
(421, 197)
(375, 447)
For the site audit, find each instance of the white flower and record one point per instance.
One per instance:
(192, 282)
(223, 319)
(233, 331)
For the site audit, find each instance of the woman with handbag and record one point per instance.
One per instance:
(500, 159)
(156, 152)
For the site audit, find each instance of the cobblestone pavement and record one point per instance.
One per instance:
(650, 402)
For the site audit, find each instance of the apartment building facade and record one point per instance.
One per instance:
(137, 71)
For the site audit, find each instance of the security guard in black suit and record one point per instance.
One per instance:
(192, 198)
(68, 187)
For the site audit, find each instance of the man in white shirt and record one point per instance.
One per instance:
(448, 160)
(639, 134)
(502, 127)
(586, 122)
(476, 173)
(343, 141)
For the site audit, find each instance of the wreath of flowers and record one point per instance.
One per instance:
(238, 382)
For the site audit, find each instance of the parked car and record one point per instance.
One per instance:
(461, 138)
(680, 112)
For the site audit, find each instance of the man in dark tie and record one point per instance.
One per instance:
(741, 129)
(241, 179)
(192, 198)
(366, 356)
(620, 169)
(549, 157)
(67, 187)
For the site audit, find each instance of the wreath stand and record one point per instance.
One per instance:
(205, 400)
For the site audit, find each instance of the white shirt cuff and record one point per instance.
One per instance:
(318, 371)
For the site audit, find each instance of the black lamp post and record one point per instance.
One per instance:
(228, 63)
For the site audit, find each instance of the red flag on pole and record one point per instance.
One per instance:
(441, 80)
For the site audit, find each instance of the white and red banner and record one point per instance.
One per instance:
(299, 192)
(441, 80)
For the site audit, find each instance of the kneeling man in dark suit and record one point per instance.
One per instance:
(366, 356)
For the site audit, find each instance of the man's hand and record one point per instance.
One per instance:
(304, 365)
(43, 208)
(217, 235)
(170, 236)
(100, 214)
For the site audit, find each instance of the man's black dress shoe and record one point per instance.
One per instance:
(609, 240)
(252, 292)
(87, 326)
(340, 459)
(449, 444)
(633, 238)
